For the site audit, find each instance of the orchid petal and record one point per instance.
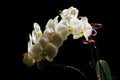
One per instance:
(36, 27)
(36, 52)
(51, 50)
(57, 39)
(28, 60)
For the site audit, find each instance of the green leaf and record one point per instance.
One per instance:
(103, 70)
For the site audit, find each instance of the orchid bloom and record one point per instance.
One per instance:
(43, 50)
(81, 28)
(36, 33)
(67, 13)
(69, 21)
(39, 48)
(52, 35)
(76, 27)
(45, 45)
(28, 60)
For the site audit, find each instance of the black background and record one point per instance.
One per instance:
(21, 16)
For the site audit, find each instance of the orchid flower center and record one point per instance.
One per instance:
(70, 29)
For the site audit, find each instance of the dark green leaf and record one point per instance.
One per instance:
(103, 70)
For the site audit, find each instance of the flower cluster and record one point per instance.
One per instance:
(44, 45)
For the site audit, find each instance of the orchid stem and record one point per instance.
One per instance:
(77, 71)
(92, 47)
(73, 68)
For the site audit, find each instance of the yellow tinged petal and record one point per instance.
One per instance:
(49, 59)
(28, 60)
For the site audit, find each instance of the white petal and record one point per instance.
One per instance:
(36, 27)
(65, 13)
(84, 19)
(34, 36)
(64, 22)
(74, 11)
(51, 50)
(62, 28)
(87, 33)
(50, 24)
(56, 39)
(42, 41)
(37, 30)
(87, 28)
(55, 20)
(47, 33)
(36, 52)
(76, 36)
(30, 43)
(63, 31)
(30, 37)
(76, 25)
(49, 59)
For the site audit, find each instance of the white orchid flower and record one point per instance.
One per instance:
(36, 33)
(44, 46)
(87, 30)
(67, 13)
(81, 28)
(67, 27)
(38, 46)
(52, 35)
(50, 27)
(43, 50)
(75, 26)
(52, 23)
(64, 26)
